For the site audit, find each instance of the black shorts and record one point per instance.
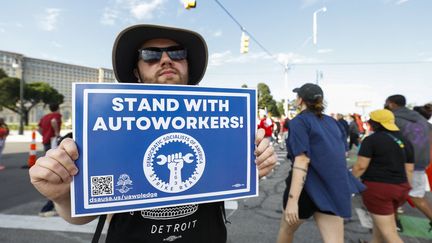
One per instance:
(306, 206)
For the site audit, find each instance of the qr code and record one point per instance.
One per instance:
(102, 185)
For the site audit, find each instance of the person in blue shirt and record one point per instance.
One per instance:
(319, 183)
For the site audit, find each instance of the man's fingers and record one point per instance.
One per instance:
(265, 171)
(262, 146)
(59, 157)
(266, 158)
(54, 167)
(259, 136)
(39, 173)
(69, 146)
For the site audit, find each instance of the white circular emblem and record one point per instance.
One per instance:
(174, 162)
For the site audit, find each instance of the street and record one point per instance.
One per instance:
(251, 220)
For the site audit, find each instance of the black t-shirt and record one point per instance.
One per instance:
(196, 223)
(388, 158)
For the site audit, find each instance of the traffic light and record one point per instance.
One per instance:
(244, 44)
(188, 4)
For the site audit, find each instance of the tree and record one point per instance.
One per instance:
(244, 86)
(281, 107)
(3, 74)
(34, 93)
(266, 101)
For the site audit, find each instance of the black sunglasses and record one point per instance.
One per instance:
(154, 54)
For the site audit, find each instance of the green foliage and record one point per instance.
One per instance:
(3, 74)
(9, 93)
(266, 101)
(244, 86)
(281, 107)
(43, 92)
(34, 93)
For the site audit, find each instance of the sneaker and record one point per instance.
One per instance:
(48, 213)
(399, 226)
(2, 167)
(400, 210)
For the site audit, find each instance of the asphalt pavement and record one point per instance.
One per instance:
(251, 220)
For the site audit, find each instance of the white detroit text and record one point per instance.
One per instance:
(147, 106)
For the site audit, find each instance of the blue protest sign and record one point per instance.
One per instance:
(147, 146)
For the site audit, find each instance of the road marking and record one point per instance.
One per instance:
(231, 205)
(11, 221)
(365, 219)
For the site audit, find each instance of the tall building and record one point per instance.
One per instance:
(58, 75)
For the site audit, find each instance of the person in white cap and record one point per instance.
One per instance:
(157, 55)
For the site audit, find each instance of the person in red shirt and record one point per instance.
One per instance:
(4, 132)
(49, 128)
(266, 123)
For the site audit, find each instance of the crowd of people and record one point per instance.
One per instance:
(393, 151)
(393, 146)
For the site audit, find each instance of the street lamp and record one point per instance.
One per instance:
(287, 67)
(323, 9)
(16, 65)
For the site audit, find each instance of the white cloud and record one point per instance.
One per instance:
(308, 3)
(217, 59)
(48, 22)
(126, 10)
(144, 10)
(227, 57)
(396, 2)
(56, 44)
(401, 2)
(293, 58)
(217, 33)
(109, 16)
(324, 51)
(2, 30)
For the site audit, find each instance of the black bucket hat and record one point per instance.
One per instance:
(127, 43)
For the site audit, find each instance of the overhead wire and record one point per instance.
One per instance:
(286, 66)
(242, 28)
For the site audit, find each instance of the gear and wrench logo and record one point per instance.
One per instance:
(174, 162)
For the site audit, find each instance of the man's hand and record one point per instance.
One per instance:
(52, 174)
(265, 154)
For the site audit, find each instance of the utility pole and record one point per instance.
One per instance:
(20, 67)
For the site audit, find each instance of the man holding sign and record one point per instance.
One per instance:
(154, 55)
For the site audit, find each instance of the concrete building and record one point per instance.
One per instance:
(58, 75)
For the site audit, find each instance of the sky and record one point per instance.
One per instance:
(365, 50)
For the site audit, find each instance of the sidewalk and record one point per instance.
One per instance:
(14, 137)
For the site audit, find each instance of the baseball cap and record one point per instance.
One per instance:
(309, 92)
(385, 118)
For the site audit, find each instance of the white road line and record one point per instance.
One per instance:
(365, 219)
(231, 205)
(11, 221)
